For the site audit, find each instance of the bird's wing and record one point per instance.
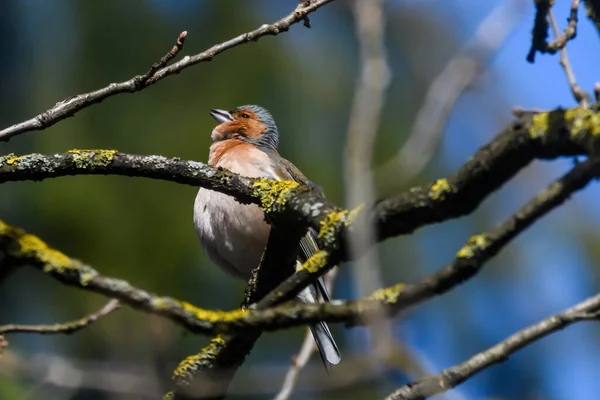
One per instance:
(308, 247)
(285, 170)
(282, 169)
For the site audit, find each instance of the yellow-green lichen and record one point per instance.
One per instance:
(315, 262)
(439, 189)
(539, 125)
(186, 365)
(333, 221)
(584, 127)
(272, 193)
(352, 214)
(10, 159)
(214, 316)
(30, 246)
(387, 295)
(159, 303)
(169, 395)
(92, 158)
(329, 224)
(474, 244)
(86, 277)
(190, 364)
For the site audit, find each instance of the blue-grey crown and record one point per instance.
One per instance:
(271, 136)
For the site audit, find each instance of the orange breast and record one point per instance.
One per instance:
(240, 157)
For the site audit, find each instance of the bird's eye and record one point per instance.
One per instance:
(244, 115)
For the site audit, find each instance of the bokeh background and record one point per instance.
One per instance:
(141, 230)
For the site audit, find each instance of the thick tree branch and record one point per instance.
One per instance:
(480, 248)
(543, 135)
(72, 105)
(453, 376)
(65, 328)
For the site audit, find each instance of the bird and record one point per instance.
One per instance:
(234, 235)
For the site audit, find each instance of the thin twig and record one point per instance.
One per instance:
(300, 360)
(570, 32)
(65, 328)
(446, 89)
(72, 105)
(581, 96)
(453, 376)
(149, 76)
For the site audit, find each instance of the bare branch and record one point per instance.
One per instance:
(65, 328)
(148, 76)
(300, 360)
(72, 105)
(580, 95)
(539, 38)
(570, 32)
(453, 376)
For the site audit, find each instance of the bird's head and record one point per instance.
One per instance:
(249, 123)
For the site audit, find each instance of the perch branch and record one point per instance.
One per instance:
(544, 135)
(469, 259)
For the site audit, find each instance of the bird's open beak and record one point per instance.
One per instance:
(221, 115)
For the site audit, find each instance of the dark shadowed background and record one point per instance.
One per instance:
(141, 230)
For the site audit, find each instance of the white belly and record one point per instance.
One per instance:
(232, 234)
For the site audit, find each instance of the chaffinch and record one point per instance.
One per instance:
(234, 235)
